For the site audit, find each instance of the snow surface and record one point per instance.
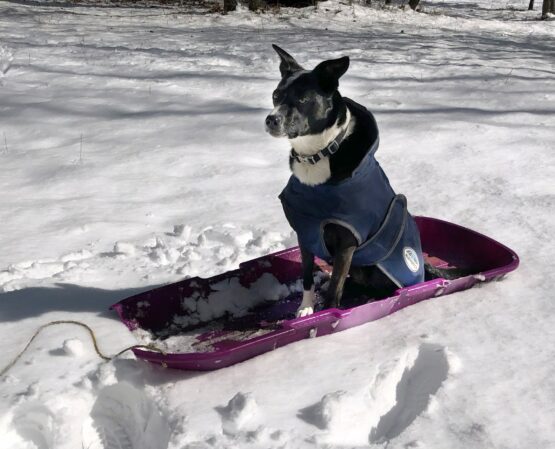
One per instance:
(132, 154)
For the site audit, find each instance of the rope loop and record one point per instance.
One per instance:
(93, 337)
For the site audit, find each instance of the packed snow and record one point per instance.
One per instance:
(229, 297)
(133, 154)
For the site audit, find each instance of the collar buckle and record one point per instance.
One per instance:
(331, 148)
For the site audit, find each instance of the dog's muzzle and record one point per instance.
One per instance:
(274, 124)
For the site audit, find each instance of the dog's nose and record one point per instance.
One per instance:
(273, 121)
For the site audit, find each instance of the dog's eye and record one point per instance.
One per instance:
(275, 96)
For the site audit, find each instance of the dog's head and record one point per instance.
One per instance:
(305, 101)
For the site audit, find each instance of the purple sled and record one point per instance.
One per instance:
(444, 244)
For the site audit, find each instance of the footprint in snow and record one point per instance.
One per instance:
(35, 424)
(413, 392)
(123, 417)
(402, 390)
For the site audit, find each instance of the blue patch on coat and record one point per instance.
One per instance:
(366, 204)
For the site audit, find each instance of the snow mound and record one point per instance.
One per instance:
(73, 347)
(238, 413)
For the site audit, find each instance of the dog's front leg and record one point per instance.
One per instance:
(341, 265)
(307, 305)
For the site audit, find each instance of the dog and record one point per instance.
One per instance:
(338, 199)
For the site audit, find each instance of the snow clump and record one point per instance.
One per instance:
(73, 347)
(6, 58)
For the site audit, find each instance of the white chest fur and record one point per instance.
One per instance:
(314, 174)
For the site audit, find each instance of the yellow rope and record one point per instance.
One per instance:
(93, 337)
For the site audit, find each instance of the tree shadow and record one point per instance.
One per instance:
(117, 4)
(115, 112)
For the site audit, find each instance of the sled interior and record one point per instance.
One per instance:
(227, 339)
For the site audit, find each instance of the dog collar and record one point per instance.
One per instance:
(330, 149)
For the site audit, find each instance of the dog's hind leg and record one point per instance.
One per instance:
(307, 304)
(374, 282)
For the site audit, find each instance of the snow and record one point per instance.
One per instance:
(132, 154)
(240, 411)
(230, 297)
(73, 347)
(226, 298)
(123, 416)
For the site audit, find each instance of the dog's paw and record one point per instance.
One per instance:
(307, 304)
(305, 311)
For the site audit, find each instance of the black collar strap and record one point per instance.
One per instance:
(332, 148)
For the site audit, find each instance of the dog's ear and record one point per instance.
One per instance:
(329, 72)
(288, 64)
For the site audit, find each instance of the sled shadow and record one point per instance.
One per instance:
(36, 301)
(140, 373)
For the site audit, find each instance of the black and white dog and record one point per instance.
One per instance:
(338, 199)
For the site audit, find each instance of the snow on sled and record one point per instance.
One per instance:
(206, 324)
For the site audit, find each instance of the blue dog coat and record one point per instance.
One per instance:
(365, 204)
